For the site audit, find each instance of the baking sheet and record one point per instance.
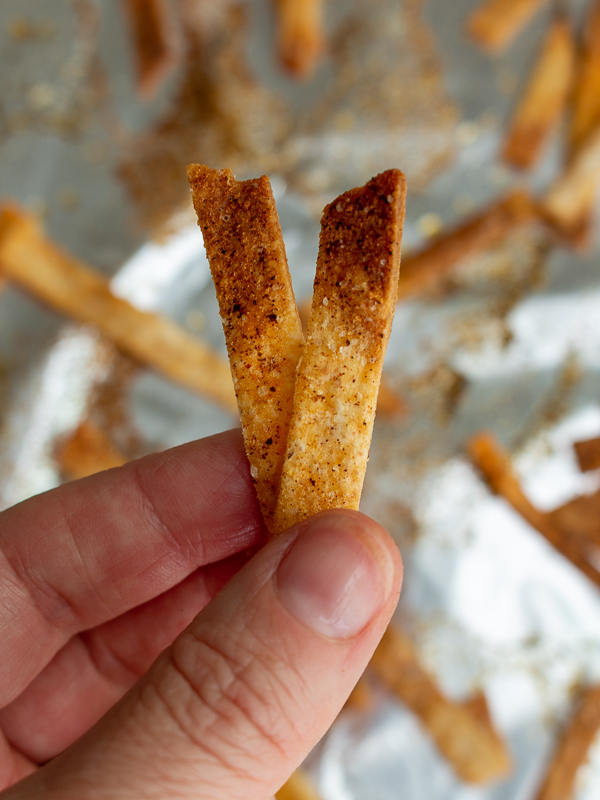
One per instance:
(512, 347)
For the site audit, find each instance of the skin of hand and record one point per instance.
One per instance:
(152, 647)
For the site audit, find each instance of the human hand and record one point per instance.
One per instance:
(122, 669)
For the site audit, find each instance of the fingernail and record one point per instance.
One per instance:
(337, 575)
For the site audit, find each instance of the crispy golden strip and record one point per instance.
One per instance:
(494, 464)
(151, 48)
(569, 202)
(424, 269)
(298, 787)
(355, 293)
(585, 116)
(86, 451)
(390, 405)
(495, 23)
(544, 98)
(572, 749)
(264, 337)
(300, 38)
(38, 266)
(587, 454)
(463, 732)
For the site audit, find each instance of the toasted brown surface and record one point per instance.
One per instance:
(587, 453)
(580, 519)
(151, 46)
(495, 23)
(544, 99)
(572, 749)
(262, 328)
(585, 117)
(496, 468)
(37, 265)
(423, 269)
(355, 292)
(463, 732)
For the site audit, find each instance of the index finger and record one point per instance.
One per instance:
(87, 552)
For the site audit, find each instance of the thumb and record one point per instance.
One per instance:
(239, 699)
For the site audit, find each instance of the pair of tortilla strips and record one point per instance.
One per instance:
(307, 424)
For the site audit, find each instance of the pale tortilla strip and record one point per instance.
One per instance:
(355, 292)
(37, 265)
(571, 198)
(300, 38)
(573, 748)
(544, 99)
(245, 249)
(463, 732)
(495, 23)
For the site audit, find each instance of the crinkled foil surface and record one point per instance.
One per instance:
(511, 345)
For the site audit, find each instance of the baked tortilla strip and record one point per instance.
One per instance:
(300, 38)
(495, 467)
(298, 787)
(544, 99)
(37, 265)
(495, 23)
(573, 748)
(580, 519)
(152, 49)
(425, 268)
(585, 117)
(569, 202)
(463, 732)
(246, 253)
(587, 453)
(86, 451)
(390, 405)
(355, 293)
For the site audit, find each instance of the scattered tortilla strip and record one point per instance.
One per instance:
(54, 277)
(300, 38)
(463, 732)
(494, 464)
(361, 697)
(390, 405)
(355, 293)
(262, 328)
(495, 23)
(580, 519)
(424, 269)
(570, 201)
(544, 100)
(298, 787)
(572, 749)
(152, 49)
(86, 451)
(585, 116)
(587, 453)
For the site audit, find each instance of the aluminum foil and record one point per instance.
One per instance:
(512, 345)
